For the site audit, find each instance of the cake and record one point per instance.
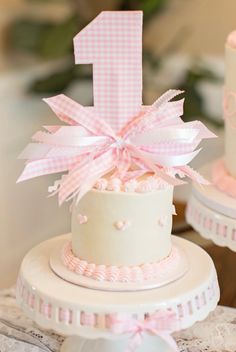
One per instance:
(109, 227)
(224, 170)
(120, 180)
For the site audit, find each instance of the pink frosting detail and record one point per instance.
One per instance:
(90, 269)
(231, 39)
(125, 274)
(144, 186)
(101, 184)
(114, 185)
(112, 273)
(222, 179)
(131, 186)
(153, 183)
(80, 268)
(82, 219)
(98, 272)
(122, 225)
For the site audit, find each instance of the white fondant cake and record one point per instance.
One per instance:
(119, 228)
(230, 100)
(224, 170)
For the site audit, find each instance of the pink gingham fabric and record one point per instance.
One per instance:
(161, 323)
(88, 148)
(112, 42)
(117, 135)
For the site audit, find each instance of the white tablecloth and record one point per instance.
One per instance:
(19, 334)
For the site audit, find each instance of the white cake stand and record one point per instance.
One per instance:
(212, 213)
(56, 304)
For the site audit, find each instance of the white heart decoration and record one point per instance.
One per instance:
(122, 225)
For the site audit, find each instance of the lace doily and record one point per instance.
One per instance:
(19, 334)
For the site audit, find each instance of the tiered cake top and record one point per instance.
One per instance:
(224, 171)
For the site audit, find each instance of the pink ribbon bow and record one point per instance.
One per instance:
(161, 324)
(157, 140)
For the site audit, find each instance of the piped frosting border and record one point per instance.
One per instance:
(140, 273)
(222, 179)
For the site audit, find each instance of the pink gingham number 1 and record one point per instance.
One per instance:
(112, 42)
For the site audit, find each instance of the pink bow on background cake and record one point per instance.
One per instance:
(160, 324)
(157, 140)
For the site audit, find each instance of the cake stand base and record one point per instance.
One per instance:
(79, 344)
(212, 213)
(84, 315)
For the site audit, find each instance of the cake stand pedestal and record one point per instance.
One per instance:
(81, 313)
(80, 344)
(212, 213)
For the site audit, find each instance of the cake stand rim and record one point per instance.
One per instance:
(140, 308)
(212, 197)
(141, 293)
(221, 219)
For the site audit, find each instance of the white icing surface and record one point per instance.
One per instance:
(145, 240)
(230, 133)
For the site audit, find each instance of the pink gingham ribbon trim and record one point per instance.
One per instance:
(88, 148)
(160, 324)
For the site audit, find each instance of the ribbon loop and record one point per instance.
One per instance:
(161, 323)
(154, 141)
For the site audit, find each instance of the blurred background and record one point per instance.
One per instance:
(183, 48)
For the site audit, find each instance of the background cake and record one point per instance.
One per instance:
(224, 171)
(230, 104)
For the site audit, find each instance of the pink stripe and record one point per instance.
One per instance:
(222, 179)
(148, 271)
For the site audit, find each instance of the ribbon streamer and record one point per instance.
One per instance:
(155, 140)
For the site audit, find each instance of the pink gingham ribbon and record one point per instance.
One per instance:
(161, 324)
(156, 140)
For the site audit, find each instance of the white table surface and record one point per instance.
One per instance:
(19, 334)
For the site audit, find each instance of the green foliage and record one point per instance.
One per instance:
(55, 83)
(27, 35)
(59, 81)
(44, 39)
(149, 7)
(194, 103)
(58, 40)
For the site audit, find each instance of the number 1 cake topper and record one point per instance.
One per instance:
(112, 43)
(117, 136)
